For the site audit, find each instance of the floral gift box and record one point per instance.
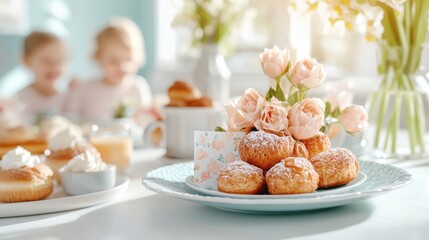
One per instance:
(212, 151)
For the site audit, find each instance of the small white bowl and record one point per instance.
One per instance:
(77, 183)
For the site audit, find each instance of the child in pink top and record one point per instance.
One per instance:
(119, 53)
(45, 55)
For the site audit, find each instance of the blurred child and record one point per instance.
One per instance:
(119, 52)
(45, 55)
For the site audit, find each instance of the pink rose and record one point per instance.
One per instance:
(218, 144)
(236, 119)
(213, 167)
(306, 118)
(274, 61)
(230, 157)
(201, 139)
(205, 175)
(274, 118)
(201, 155)
(251, 104)
(354, 119)
(306, 74)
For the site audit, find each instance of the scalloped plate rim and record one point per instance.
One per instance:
(341, 198)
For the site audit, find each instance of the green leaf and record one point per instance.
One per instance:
(279, 93)
(327, 109)
(293, 98)
(221, 31)
(219, 129)
(271, 93)
(336, 112)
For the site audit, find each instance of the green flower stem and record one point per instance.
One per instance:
(380, 118)
(420, 121)
(397, 117)
(409, 116)
(302, 95)
(401, 48)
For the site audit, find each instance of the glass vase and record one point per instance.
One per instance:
(211, 74)
(399, 108)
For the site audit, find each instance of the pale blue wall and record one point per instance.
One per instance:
(85, 18)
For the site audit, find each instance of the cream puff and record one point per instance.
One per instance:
(240, 178)
(23, 177)
(336, 167)
(264, 150)
(299, 150)
(317, 144)
(63, 146)
(292, 175)
(181, 92)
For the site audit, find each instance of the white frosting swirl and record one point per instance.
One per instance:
(85, 162)
(64, 139)
(17, 158)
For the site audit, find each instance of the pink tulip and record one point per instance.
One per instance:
(306, 74)
(274, 61)
(306, 118)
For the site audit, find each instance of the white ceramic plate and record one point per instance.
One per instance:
(59, 201)
(381, 178)
(360, 178)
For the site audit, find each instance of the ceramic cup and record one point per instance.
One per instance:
(212, 151)
(180, 124)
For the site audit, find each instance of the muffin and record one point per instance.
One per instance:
(23, 177)
(335, 167)
(240, 178)
(292, 175)
(264, 150)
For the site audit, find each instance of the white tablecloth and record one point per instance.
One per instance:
(142, 214)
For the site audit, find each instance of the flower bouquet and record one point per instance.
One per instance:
(400, 28)
(286, 110)
(210, 21)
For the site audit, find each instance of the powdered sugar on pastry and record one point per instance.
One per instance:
(264, 150)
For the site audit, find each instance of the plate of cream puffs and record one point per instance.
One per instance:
(381, 178)
(277, 174)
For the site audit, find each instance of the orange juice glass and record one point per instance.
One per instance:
(114, 144)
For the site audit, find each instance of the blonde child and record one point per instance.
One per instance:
(45, 55)
(119, 52)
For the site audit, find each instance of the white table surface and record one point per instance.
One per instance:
(142, 214)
